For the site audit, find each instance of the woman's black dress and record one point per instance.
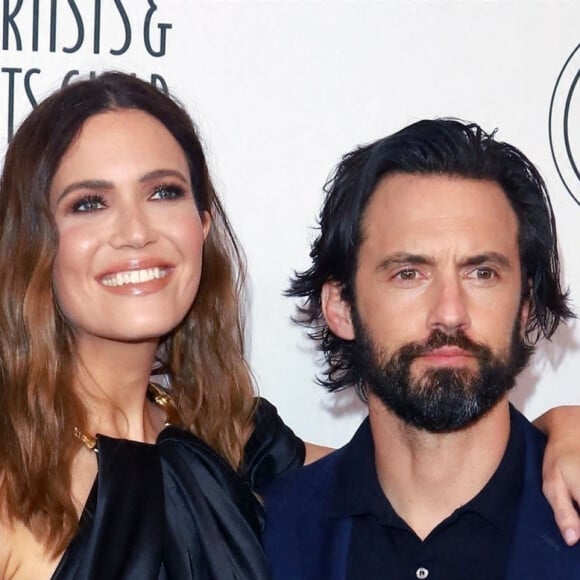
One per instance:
(176, 510)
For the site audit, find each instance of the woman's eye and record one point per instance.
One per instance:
(168, 192)
(88, 204)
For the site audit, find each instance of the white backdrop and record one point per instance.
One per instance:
(281, 90)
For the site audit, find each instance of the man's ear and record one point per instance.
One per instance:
(337, 311)
(525, 310)
(524, 316)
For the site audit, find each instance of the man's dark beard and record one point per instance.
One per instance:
(442, 399)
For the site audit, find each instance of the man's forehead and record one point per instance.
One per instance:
(425, 213)
(418, 198)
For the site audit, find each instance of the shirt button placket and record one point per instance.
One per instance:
(422, 573)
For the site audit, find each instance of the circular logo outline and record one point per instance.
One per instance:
(559, 116)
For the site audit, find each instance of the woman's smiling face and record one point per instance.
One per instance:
(128, 263)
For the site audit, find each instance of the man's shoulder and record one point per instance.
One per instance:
(300, 533)
(519, 418)
(537, 550)
(533, 437)
(308, 481)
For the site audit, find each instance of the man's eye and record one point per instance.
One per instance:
(88, 204)
(484, 274)
(407, 274)
(168, 192)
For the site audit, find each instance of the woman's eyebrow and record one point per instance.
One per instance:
(84, 184)
(158, 173)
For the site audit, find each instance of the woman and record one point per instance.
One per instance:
(109, 213)
(115, 259)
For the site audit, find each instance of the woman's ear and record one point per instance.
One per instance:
(205, 223)
(337, 311)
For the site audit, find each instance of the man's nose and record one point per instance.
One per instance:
(448, 310)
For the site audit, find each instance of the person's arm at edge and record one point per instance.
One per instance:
(315, 452)
(561, 467)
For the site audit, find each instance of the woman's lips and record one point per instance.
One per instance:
(136, 281)
(134, 276)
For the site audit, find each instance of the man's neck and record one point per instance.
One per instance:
(427, 476)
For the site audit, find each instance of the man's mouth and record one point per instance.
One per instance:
(447, 351)
(447, 356)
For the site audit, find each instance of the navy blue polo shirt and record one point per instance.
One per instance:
(471, 544)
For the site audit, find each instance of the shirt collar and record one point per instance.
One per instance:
(358, 490)
(498, 500)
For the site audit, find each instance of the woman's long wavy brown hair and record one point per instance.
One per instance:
(204, 355)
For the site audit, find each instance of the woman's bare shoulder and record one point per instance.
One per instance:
(5, 547)
(22, 556)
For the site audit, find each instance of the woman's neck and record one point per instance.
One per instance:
(112, 381)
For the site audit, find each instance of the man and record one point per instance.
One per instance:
(435, 272)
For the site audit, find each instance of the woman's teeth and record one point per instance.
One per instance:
(134, 276)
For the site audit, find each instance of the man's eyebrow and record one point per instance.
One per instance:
(405, 259)
(494, 258)
(408, 259)
(103, 184)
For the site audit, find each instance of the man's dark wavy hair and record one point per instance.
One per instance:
(429, 147)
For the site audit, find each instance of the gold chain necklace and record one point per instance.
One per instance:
(159, 396)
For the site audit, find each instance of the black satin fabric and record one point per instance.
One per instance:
(176, 510)
(272, 450)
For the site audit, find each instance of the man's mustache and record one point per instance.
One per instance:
(438, 339)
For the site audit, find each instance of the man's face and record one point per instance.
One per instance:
(438, 313)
